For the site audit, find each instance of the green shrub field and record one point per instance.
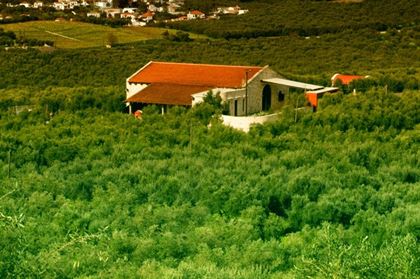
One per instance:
(88, 191)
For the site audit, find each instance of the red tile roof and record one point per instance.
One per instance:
(167, 94)
(207, 75)
(345, 79)
(196, 12)
(148, 14)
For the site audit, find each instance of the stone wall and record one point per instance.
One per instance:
(256, 87)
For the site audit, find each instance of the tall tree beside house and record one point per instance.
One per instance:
(207, 6)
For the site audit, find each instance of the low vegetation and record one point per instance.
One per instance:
(89, 191)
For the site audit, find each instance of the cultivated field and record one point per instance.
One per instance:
(68, 34)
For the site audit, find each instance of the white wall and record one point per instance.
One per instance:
(225, 93)
(134, 88)
(244, 122)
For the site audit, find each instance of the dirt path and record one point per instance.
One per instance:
(56, 34)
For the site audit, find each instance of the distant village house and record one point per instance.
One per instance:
(112, 12)
(147, 16)
(196, 15)
(93, 14)
(38, 4)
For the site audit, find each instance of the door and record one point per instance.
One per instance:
(266, 98)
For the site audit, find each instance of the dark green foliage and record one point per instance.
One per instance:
(112, 22)
(207, 6)
(211, 108)
(93, 191)
(305, 18)
(179, 36)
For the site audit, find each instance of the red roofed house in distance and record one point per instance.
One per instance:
(196, 15)
(345, 79)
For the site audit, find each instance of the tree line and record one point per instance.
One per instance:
(389, 59)
(307, 18)
(9, 38)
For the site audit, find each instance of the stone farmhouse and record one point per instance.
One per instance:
(246, 89)
(184, 84)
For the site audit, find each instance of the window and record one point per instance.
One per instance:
(280, 96)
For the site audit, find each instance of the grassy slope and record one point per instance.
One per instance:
(82, 34)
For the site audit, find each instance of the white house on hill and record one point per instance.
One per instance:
(196, 15)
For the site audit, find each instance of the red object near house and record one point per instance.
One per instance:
(312, 98)
(138, 114)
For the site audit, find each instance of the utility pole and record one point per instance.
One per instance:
(297, 105)
(8, 163)
(246, 91)
(191, 136)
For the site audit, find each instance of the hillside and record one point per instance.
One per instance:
(83, 35)
(307, 18)
(391, 59)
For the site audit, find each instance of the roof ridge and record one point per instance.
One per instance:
(180, 83)
(191, 84)
(207, 64)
